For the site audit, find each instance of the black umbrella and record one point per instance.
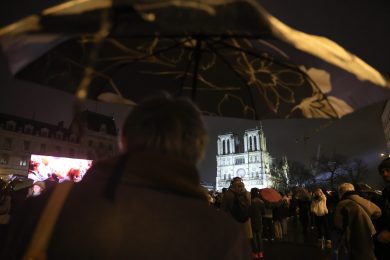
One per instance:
(231, 57)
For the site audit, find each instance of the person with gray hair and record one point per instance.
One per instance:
(146, 203)
(353, 218)
(345, 187)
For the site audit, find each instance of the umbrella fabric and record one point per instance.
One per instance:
(231, 57)
(20, 183)
(270, 195)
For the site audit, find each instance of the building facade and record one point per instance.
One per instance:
(95, 138)
(253, 165)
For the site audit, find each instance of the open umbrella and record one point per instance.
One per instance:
(270, 195)
(231, 57)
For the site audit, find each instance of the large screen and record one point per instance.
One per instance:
(57, 169)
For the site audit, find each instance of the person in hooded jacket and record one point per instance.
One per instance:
(353, 217)
(146, 203)
(237, 188)
(382, 237)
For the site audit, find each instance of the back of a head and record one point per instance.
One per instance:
(255, 193)
(345, 187)
(166, 125)
(384, 164)
(237, 185)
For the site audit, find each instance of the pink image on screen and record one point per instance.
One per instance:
(58, 169)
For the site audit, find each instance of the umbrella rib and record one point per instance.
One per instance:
(254, 54)
(185, 77)
(100, 74)
(121, 63)
(189, 35)
(197, 56)
(237, 74)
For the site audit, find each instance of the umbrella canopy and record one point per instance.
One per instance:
(231, 57)
(19, 183)
(270, 195)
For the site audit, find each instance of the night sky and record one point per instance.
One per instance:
(360, 26)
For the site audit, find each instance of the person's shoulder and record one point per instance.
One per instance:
(105, 166)
(386, 192)
(224, 221)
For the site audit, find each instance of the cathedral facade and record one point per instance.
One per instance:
(253, 165)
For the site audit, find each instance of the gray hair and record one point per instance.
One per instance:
(343, 188)
(166, 125)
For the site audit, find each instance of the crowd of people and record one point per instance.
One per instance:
(352, 224)
(147, 203)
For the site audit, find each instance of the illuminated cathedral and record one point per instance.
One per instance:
(253, 165)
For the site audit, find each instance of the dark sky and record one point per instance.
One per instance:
(361, 26)
(359, 135)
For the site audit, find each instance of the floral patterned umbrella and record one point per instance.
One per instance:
(232, 58)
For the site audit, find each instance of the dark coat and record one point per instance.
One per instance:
(382, 250)
(256, 213)
(151, 208)
(353, 217)
(228, 201)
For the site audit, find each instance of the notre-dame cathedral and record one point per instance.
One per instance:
(253, 165)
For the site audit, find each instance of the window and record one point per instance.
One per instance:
(73, 138)
(28, 129)
(223, 147)
(254, 143)
(26, 145)
(43, 148)
(228, 146)
(23, 162)
(103, 128)
(7, 145)
(90, 155)
(240, 160)
(4, 158)
(71, 152)
(11, 125)
(250, 143)
(59, 135)
(44, 132)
